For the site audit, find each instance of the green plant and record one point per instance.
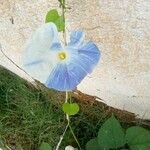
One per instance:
(53, 16)
(72, 62)
(45, 146)
(30, 116)
(112, 136)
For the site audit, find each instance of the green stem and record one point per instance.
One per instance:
(74, 137)
(63, 5)
(67, 96)
(67, 117)
(70, 100)
(62, 137)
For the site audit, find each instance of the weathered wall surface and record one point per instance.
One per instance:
(121, 28)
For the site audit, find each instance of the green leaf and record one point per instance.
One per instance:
(45, 146)
(60, 24)
(111, 134)
(71, 109)
(53, 16)
(138, 138)
(92, 145)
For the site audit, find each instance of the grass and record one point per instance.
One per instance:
(26, 117)
(29, 115)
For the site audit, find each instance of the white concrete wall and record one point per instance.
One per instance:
(121, 28)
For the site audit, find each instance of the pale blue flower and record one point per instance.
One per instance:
(59, 67)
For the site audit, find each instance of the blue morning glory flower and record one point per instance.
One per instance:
(59, 67)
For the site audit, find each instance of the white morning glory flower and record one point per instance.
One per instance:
(58, 67)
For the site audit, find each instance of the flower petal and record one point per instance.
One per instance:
(45, 36)
(61, 79)
(39, 71)
(38, 57)
(66, 76)
(86, 57)
(56, 46)
(89, 56)
(76, 38)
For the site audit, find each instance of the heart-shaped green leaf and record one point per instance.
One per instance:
(111, 134)
(71, 109)
(138, 138)
(53, 16)
(45, 146)
(92, 145)
(60, 24)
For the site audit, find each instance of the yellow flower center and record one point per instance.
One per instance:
(62, 55)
